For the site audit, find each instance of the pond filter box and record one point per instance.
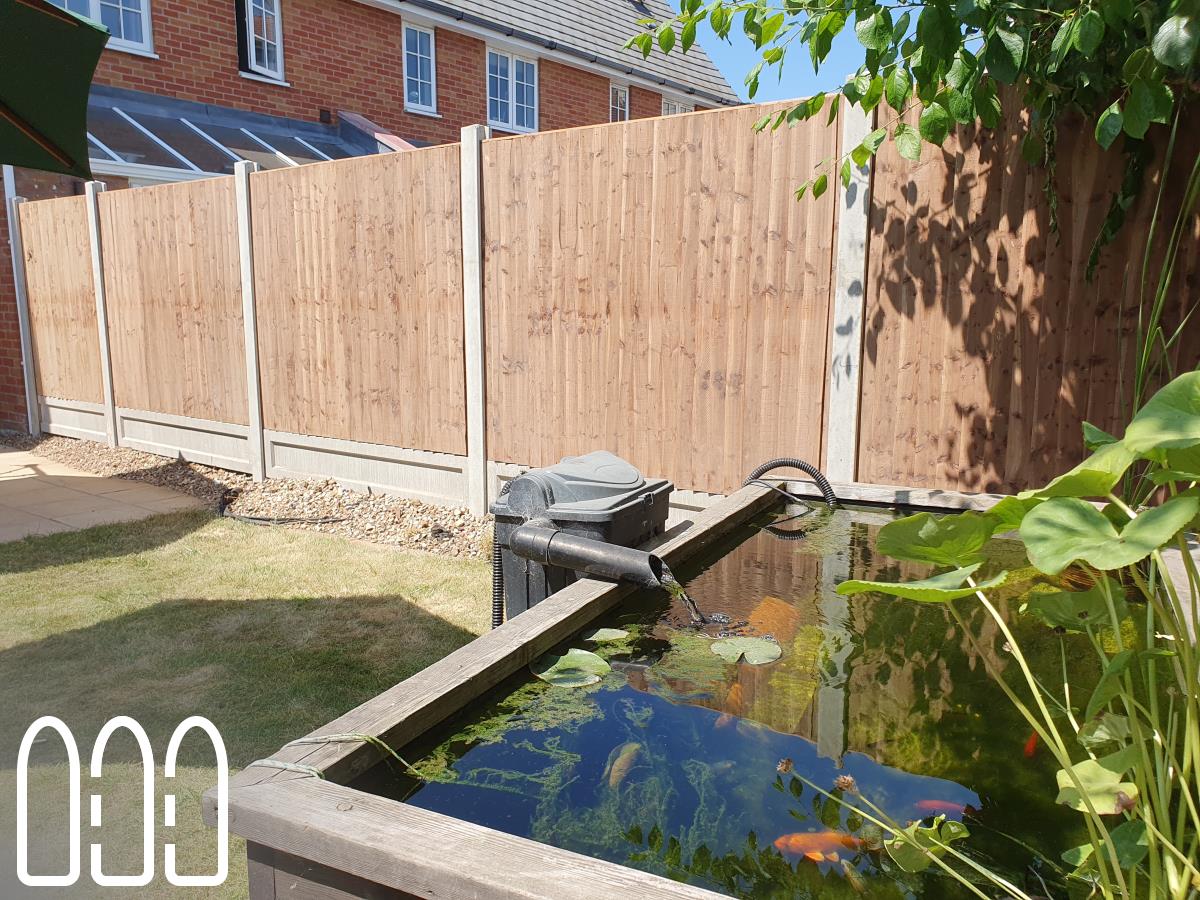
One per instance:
(597, 495)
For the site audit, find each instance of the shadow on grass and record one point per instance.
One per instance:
(264, 671)
(99, 542)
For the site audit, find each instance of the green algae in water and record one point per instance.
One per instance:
(669, 763)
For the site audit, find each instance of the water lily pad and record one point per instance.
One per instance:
(755, 651)
(575, 668)
(599, 635)
(1101, 786)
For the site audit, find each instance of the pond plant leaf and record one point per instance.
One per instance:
(1129, 841)
(1170, 419)
(600, 635)
(1101, 785)
(1065, 529)
(755, 651)
(1078, 610)
(1094, 477)
(935, 589)
(915, 847)
(1109, 685)
(575, 668)
(1108, 728)
(942, 540)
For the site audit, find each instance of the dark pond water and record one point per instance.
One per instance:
(687, 766)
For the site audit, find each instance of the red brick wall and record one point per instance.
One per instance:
(644, 103)
(339, 54)
(12, 384)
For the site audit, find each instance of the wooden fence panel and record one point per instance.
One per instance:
(985, 346)
(653, 288)
(62, 299)
(173, 288)
(358, 283)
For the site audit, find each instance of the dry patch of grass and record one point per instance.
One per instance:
(268, 632)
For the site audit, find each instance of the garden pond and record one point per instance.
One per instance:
(739, 776)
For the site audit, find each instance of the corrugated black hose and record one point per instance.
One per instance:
(498, 573)
(791, 462)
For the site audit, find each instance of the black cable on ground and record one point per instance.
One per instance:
(225, 504)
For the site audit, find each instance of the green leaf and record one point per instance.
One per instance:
(1079, 610)
(987, 104)
(1110, 125)
(770, 28)
(955, 540)
(820, 185)
(688, 36)
(897, 88)
(1139, 109)
(1094, 437)
(1077, 856)
(753, 650)
(845, 173)
(914, 848)
(600, 635)
(1175, 42)
(872, 95)
(1063, 42)
(762, 123)
(1065, 529)
(1005, 55)
(875, 31)
(875, 139)
(935, 124)
(575, 668)
(1170, 419)
(1090, 32)
(1130, 843)
(961, 107)
(1109, 685)
(644, 42)
(1108, 728)
(908, 142)
(1094, 477)
(935, 589)
(1008, 514)
(1109, 795)
(833, 108)
(1116, 12)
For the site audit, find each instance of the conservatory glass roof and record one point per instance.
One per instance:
(131, 128)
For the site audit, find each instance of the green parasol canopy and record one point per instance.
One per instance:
(47, 59)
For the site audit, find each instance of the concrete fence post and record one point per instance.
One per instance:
(17, 248)
(92, 192)
(849, 297)
(257, 451)
(471, 183)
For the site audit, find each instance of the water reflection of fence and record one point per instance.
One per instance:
(419, 321)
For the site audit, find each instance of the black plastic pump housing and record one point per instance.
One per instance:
(583, 515)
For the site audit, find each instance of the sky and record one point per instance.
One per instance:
(738, 57)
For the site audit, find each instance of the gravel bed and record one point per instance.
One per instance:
(308, 504)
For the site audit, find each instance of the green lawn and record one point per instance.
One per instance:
(268, 632)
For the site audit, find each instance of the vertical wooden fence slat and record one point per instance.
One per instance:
(471, 184)
(28, 372)
(92, 192)
(241, 174)
(849, 295)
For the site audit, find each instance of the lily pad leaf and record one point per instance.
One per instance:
(755, 651)
(1077, 610)
(1107, 729)
(600, 635)
(1100, 785)
(942, 540)
(1065, 529)
(1094, 477)
(575, 668)
(935, 589)
(1171, 418)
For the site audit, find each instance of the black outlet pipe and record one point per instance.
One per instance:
(552, 547)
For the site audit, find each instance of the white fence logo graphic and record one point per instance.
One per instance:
(146, 874)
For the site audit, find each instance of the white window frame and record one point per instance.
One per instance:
(420, 107)
(673, 107)
(145, 45)
(615, 90)
(265, 71)
(513, 59)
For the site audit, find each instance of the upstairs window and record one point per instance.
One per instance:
(512, 92)
(127, 21)
(618, 103)
(263, 38)
(420, 82)
(675, 107)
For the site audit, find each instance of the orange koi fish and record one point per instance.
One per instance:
(817, 846)
(1031, 745)
(940, 807)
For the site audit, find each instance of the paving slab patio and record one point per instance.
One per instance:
(41, 496)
